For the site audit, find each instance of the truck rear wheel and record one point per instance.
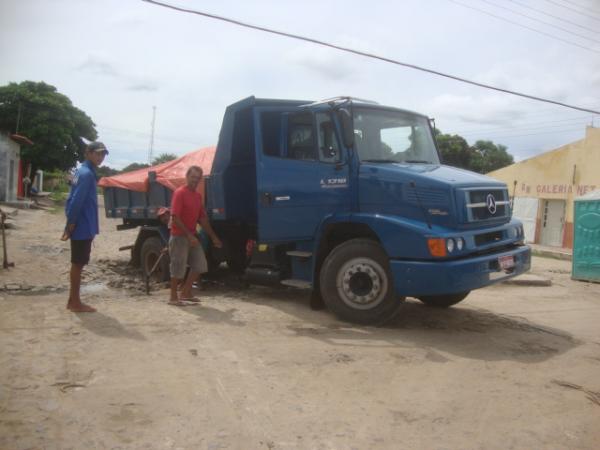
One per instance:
(151, 249)
(357, 284)
(444, 301)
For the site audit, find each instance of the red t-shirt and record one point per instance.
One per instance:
(187, 205)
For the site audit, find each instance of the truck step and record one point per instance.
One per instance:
(301, 284)
(299, 254)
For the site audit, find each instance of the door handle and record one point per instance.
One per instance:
(267, 199)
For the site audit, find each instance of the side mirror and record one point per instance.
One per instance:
(345, 118)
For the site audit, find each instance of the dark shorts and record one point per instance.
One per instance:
(80, 251)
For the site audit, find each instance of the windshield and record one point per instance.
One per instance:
(393, 136)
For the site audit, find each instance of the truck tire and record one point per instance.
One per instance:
(151, 249)
(443, 301)
(357, 284)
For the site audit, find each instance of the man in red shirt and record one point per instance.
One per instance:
(184, 247)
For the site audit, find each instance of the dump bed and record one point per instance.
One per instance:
(137, 195)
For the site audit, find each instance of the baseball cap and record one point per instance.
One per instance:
(162, 211)
(97, 146)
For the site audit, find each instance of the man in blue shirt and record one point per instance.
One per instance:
(82, 220)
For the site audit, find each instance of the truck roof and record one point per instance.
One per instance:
(253, 101)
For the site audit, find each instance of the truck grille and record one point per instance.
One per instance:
(426, 196)
(488, 238)
(486, 204)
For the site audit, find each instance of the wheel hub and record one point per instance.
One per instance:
(362, 283)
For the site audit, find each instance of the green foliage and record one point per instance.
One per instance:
(105, 171)
(493, 156)
(163, 158)
(49, 119)
(483, 157)
(134, 166)
(59, 197)
(56, 181)
(455, 151)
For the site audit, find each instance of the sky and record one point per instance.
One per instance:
(117, 59)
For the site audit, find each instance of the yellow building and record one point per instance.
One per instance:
(545, 186)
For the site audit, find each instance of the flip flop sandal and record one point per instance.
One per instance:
(191, 299)
(177, 303)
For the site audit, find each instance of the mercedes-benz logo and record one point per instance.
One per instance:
(490, 202)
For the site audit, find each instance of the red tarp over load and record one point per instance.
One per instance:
(170, 174)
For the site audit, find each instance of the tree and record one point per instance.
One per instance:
(105, 171)
(483, 157)
(49, 119)
(493, 156)
(163, 158)
(134, 166)
(455, 150)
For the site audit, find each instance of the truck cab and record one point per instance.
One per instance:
(349, 198)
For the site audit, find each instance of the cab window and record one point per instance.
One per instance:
(301, 139)
(329, 149)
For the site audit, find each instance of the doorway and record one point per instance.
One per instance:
(553, 221)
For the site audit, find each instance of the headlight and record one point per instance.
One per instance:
(459, 244)
(450, 245)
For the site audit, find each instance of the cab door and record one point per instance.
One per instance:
(301, 175)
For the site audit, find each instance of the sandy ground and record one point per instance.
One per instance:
(512, 367)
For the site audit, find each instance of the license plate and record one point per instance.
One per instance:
(506, 262)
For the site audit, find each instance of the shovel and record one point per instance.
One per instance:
(149, 274)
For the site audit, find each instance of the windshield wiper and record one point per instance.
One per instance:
(417, 161)
(380, 160)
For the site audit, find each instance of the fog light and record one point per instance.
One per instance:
(450, 245)
(460, 243)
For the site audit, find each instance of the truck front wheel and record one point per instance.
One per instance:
(357, 284)
(443, 301)
(151, 250)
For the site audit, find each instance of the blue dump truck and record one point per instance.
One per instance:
(347, 198)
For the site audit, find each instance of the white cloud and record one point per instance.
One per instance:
(117, 59)
(487, 109)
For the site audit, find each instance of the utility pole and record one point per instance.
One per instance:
(151, 149)
(19, 117)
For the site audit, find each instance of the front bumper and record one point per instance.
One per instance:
(417, 278)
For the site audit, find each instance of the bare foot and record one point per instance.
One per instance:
(176, 303)
(81, 308)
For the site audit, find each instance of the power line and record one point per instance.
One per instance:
(525, 125)
(522, 26)
(513, 136)
(555, 17)
(591, 10)
(572, 9)
(368, 55)
(521, 129)
(501, 136)
(553, 112)
(541, 21)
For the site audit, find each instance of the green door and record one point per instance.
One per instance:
(586, 240)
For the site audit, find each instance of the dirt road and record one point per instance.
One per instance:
(512, 367)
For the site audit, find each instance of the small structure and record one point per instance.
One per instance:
(586, 242)
(10, 165)
(545, 187)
